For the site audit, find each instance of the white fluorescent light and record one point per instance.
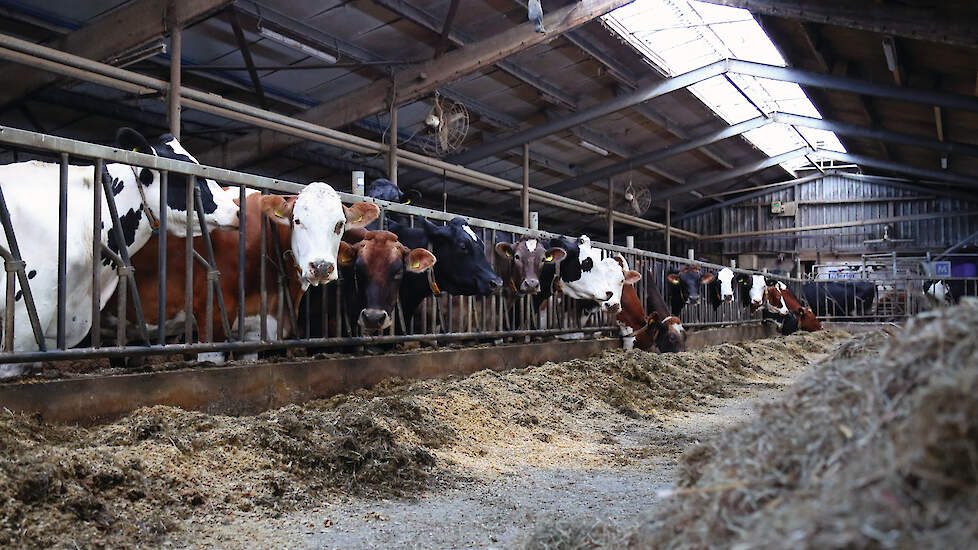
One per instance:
(592, 147)
(296, 45)
(138, 53)
(889, 51)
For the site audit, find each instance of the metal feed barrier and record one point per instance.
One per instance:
(444, 318)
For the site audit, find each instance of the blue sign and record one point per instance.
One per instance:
(942, 269)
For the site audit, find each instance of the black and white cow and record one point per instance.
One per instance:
(31, 192)
(840, 298)
(684, 286)
(946, 293)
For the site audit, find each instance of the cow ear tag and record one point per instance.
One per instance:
(509, 254)
(279, 214)
(407, 202)
(549, 257)
(416, 265)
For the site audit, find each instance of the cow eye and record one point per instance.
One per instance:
(516, 257)
(297, 222)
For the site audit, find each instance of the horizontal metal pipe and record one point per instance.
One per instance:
(133, 351)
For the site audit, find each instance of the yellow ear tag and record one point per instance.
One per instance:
(416, 265)
(135, 149)
(359, 218)
(510, 254)
(408, 202)
(279, 214)
(549, 257)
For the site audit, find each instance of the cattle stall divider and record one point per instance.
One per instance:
(441, 318)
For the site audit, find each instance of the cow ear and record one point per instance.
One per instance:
(360, 214)
(278, 208)
(707, 278)
(632, 276)
(555, 255)
(770, 282)
(355, 235)
(673, 278)
(346, 255)
(418, 260)
(655, 318)
(131, 140)
(504, 250)
(410, 196)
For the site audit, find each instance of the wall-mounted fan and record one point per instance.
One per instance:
(639, 197)
(446, 126)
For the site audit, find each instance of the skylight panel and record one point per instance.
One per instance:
(678, 36)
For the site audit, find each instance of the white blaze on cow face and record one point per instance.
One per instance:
(531, 245)
(938, 294)
(757, 287)
(470, 233)
(318, 220)
(726, 277)
(617, 274)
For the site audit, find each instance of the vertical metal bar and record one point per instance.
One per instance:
(262, 278)
(525, 193)
(213, 276)
(25, 287)
(161, 256)
(611, 211)
(668, 227)
(392, 147)
(120, 328)
(173, 95)
(188, 295)
(11, 304)
(97, 255)
(242, 232)
(62, 248)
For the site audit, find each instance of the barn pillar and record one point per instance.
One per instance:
(173, 97)
(525, 193)
(392, 146)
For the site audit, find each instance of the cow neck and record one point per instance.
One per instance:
(283, 259)
(154, 222)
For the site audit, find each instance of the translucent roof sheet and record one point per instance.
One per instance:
(678, 36)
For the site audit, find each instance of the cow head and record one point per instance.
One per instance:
(570, 268)
(758, 287)
(807, 320)
(726, 279)
(378, 264)
(524, 260)
(670, 333)
(464, 269)
(220, 208)
(385, 189)
(317, 220)
(688, 280)
(595, 282)
(775, 301)
(615, 271)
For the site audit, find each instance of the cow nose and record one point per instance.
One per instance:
(321, 269)
(373, 318)
(728, 298)
(693, 300)
(530, 286)
(611, 308)
(495, 283)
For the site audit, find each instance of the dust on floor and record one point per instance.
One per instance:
(583, 431)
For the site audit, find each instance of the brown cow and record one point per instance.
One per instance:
(522, 262)
(373, 270)
(807, 320)
(660, 329)
(308, 228)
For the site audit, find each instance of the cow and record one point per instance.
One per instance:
(945, 293)
(721, 289)
(807, 320)
(570, 270)
(787, 311)
(31, 191)
(307, 227)
(373, 271)
(385, 189)
(838, 298)
(522, 262)
(659, 328)
(684, 286)
(601, 280)
(756, 286)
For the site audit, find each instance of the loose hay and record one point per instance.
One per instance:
(129, 483)
(876, 448)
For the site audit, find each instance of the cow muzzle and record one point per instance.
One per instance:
(321, 271)
(609, 307)
(530, 286)
(727, 297)
(372, 320)
(693, 300)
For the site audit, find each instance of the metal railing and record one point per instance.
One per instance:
(440, 319)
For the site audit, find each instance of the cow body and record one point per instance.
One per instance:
(307, 228)
(31, 190)
(659, 328)
(945, 293)
(840, 298)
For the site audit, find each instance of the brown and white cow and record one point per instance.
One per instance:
(308, 227)
(373, 270)
(781, 299)
(659, 328)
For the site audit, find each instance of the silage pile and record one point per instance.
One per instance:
(876, 448)
(128, 483)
